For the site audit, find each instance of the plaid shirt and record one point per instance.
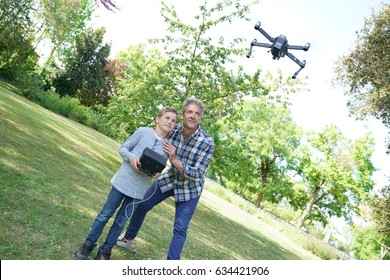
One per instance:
(195, 156)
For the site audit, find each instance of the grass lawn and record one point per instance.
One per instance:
(55, 176)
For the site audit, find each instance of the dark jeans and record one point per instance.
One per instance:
(183, 214)
(114, 199)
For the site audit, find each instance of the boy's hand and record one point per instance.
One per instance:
(134, 163)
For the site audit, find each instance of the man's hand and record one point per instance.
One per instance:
(171, 152)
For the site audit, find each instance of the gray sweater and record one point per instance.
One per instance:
(127, 180)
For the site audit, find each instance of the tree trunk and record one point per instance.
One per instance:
(259, 199)
(264, 176)
(308, 208)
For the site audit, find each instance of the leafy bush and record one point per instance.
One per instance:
(320, 249)
(366, 244)
(32, 88)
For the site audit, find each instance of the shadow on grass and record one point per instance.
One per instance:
(211, 236)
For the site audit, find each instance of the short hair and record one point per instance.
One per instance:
(193, 100)
(164, 110)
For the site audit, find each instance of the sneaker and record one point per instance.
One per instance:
(123, 242)
(103, 255)
(84, 251)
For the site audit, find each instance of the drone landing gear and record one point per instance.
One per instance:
(302, 64)
(296, 73)
(279, 48)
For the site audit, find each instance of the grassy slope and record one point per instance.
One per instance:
(54, 178)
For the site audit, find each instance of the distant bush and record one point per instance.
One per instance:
(70, 107)
(320, 249)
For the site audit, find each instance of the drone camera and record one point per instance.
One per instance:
(280, 47)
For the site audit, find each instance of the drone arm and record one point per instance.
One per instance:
(301, 48)
(264, 45)
(254, 43)
(296, 60)
(262, 31)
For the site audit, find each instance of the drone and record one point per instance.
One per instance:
(279, 48)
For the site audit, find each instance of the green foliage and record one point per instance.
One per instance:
(66, 106)
(70, 107)
(16, 39)
(85, 72)
(366, 244)
(114, 71)
(198, 62)
(202, 65)
(259, 146)
(140, 91)
(193, 64)
(335, 175)
(365, 70)
(61, 22)
(325, 252)
(281, 210)
(380, 206)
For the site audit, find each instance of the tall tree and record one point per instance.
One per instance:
(61, 22)
(191, 64)
(264, 138)
(141, 90)
(335, 175)
(366, 69)
(85, 70)
(380, 206)
(198, 61)
(16, 37)
(115, 71)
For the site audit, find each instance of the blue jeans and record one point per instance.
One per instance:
(183, 214)
(114, 199)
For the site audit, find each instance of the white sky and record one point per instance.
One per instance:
(329, 26)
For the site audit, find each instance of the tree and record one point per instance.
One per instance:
(264, 138)
(380, 206)
(115, 71)
(197, 61)
(366, 69)
(61, 22)
(335, 175)
(381, 211)
(85, 70)
(366, 244)
(17, 52)
(140, 91)
(192, 63)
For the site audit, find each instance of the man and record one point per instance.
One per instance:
(189, 150)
